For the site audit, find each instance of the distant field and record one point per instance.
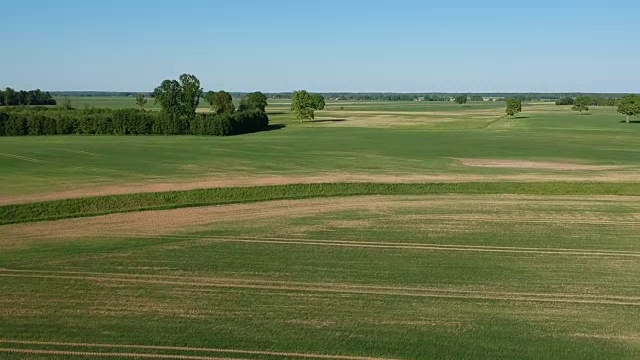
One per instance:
(380, 230)
(123, 102)
(414, 142)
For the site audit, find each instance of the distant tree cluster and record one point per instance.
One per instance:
(373, 96)
(304, 104)
(179, 100)
(11, 97)
(369, 96)
(593, 100)
(476, 98)
(582, 104)
(96, 93)
(602, 101)
(461, 99)
(566, 101)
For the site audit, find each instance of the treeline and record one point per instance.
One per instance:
(22, 121)
(427, 96)
(434, 96)
(97, 93)
(179, 100)
(590, 101)
(368, 96)
(11, 97)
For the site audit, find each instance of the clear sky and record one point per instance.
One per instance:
(323, 45)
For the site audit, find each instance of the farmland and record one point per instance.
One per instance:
(379, 230)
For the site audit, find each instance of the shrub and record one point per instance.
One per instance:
(3, 121)
(565, 101)
(16, 125)
(49, 121)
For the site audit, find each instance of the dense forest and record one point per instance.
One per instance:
(11, 97)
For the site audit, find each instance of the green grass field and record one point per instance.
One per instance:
(378, 231)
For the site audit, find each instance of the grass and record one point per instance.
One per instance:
(93, 206)
(468, 269)
(204, 291)
(52, 164)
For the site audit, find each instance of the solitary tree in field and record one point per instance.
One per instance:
(582, 104)
(141, 100)
(629, 105)
(514, 106)
(221, 102)
(304, 104)
(179, 98)
(461, 100)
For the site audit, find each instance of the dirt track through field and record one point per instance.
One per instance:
(546, 165)
(258, 285)
(412, 246)
(193, 349)
(80, 191)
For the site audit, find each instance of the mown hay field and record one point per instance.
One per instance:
(378, 231)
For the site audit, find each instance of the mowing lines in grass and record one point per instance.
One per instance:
(108, 354)
(399, 245)
(185, 349)
(329, 288)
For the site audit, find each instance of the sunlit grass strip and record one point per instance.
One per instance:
(93, 206)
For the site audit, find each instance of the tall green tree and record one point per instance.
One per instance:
(514, 106)
(169, 96)
(10, 97)
(256, 101)
(221, 102)
(191, 93)
(303, 104)
(629, 105)
(582, 104)
(141, 100)
(461, 99)
(179, 98)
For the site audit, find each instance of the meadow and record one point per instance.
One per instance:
(379, 230)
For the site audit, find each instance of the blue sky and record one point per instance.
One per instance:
(328, 45)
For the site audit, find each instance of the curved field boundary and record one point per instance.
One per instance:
(183, 349)
(329, 288)
(94, 206)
